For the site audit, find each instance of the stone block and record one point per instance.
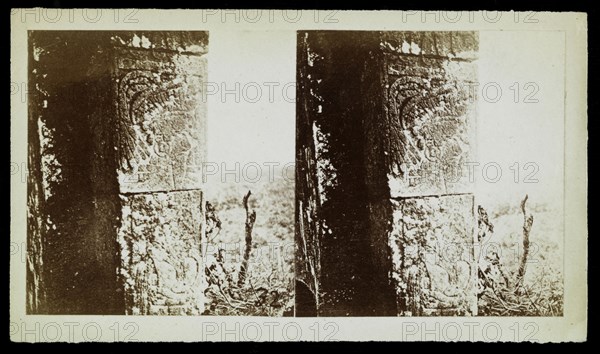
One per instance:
(161, 263)
(161, 115)
(434, 268)
(430, 111)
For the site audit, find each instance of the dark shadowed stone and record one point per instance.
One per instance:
(116, 131)
(384, 118)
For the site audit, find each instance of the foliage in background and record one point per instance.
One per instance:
(248, 268)
(505, 286)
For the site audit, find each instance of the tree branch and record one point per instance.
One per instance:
(527, 223)
(250, 219)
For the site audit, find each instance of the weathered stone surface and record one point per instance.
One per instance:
(308, 198)
(73, 192)
(36, 225)
(431, 116)
(432, 243)
(160, 144)
(107, 120)
(161, 264)
(195, 42)
(172, 62)
(335, 248)
(160, 125)
(445, 45)
(383, 118)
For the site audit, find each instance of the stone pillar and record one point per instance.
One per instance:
(160, 139)
(385, 214)
(116, 204)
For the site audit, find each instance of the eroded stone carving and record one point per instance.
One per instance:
(160, 145)
(385, 133)
(428, 110)
(159, 132)
(161, 264)
(116, 140)
(432, 252)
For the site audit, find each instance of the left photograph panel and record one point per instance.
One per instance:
(118, 216)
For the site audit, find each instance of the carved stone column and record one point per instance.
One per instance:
(160, 140)
(117, 129)
(385, 214)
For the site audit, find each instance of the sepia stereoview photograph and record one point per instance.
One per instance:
(331, 176)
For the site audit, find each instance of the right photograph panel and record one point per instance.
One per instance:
(403, 208)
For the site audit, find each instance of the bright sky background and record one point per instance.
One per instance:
(508, 131)
(263, 63)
